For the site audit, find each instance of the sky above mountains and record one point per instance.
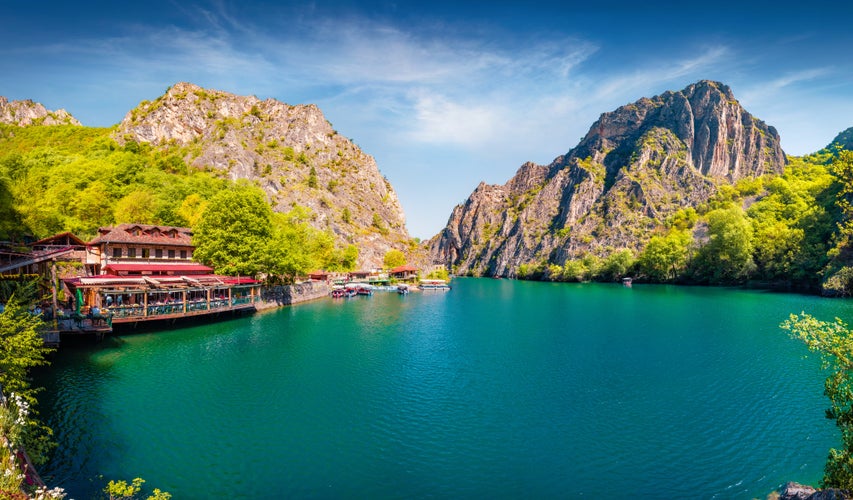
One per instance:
(443, 94)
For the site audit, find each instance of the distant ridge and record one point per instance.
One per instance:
(26, 113)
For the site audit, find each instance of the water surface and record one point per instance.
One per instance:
(498, 388)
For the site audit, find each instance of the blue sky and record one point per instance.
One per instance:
(443, 94)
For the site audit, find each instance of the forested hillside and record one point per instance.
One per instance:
(790, 230)
(72, 178)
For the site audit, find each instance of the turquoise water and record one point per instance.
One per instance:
(495, 389)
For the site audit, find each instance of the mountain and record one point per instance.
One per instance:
(292, 152)
(843, 140)
(635, 167)
(25, 113)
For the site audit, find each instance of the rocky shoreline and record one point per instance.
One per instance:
(796, 491)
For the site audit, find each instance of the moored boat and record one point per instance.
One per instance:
(433, 284)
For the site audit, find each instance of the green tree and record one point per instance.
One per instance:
(393, 258)
(10, 219)
(616, 265)
(727, 257)
(191, 209)
(664, 257)
(234, 231)
(350, 258)
(137, 207)
(289, 252)
(312, 177)
(22, 348)
(834, 342)
(378, 224)
(121, 490)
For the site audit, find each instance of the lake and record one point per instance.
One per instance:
(497, 388)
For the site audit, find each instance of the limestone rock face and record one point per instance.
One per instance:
(634, 168)
(26, 113)
(291, 151)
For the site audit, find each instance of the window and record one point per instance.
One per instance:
(158, 253)
(184, 254)
(131, 253)
(146, 253)
(171, 254)
(116, 253)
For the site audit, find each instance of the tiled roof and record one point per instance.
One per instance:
(147, 235)
(188, 267)
(59, 239)
(404, 269)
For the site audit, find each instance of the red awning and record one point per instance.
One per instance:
(177, 268)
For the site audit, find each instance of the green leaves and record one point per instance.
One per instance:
(393, 258)
(239, 234)
(665, 257)
(234, 231)
(834, 342)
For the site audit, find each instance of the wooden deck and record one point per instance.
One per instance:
(160, 313)
(104, 325)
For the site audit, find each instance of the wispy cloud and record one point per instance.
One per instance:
(495, 96)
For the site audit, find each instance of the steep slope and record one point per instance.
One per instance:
(843, 140)
(291, 151)
(635, 167)
(25, 113)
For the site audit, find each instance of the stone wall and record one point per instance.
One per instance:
(292, 294)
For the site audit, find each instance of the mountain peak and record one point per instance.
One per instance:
(291, 152)
(637, 165)
(25, 113)
(723, 139)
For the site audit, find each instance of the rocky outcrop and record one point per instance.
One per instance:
(635, 167)
(796, 491)
(26, 113)
(292, 152)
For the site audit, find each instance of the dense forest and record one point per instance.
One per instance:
(791, 230)
(71, 178)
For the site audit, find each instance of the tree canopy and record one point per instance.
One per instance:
(394, 258)
(234, 231)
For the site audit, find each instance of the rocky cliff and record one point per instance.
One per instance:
(291, 151)
(634, 168)
(25, 113)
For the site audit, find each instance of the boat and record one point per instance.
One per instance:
(403, 289)
(359, 289)
(626, 281)
(433, 284)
